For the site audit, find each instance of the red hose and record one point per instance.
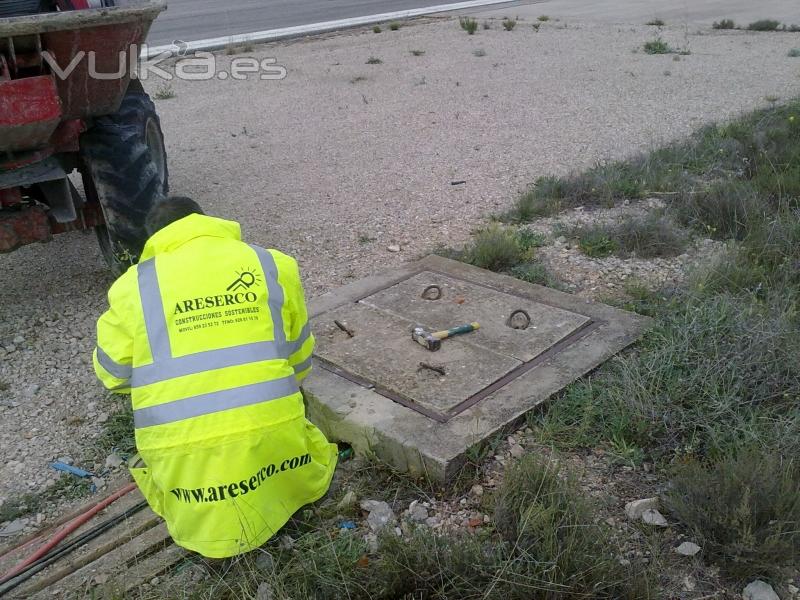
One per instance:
(67, 529)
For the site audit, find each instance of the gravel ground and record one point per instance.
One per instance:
(335, 169)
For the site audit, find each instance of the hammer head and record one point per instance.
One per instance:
(426, 339)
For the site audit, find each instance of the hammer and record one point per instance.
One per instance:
(433, 340)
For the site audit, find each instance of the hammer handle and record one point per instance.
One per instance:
(456, 330)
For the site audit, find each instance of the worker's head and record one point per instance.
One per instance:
(170, 210)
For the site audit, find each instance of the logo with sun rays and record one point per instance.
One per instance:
(246, 278)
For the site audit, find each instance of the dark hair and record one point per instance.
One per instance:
(168, 211)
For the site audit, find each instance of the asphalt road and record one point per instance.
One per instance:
(190, 20)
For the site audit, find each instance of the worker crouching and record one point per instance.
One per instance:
(210, 337)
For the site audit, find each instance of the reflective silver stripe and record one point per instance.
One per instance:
(292, 347)
(274, 292)
(213, 402)
(208, 360)
(153, 309)
(165, 366)
(303, 365)
(116, 369)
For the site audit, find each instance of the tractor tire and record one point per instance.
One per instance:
(125, 170)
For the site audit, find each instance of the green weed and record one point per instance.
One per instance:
(495, 248)
(19, 506)
(658, 46)
(468, 24)
(541, 511)
(117, 434)
(656, 23)
(509, 24)
(744, 509)
(716, 372)
(724, 24)
(165, 91)
(534, 272)
(764, 25)
(646, 236)
(596, 242)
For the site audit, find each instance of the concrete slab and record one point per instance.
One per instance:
(368, 389)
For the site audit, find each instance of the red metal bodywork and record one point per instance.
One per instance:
(24, 226)
(30, 111)
(58, 71)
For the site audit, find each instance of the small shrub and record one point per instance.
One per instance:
(417, 52)
(724, 24)
(374, 60)
(533, 272)
(656, 23)
(744, 508)
(794, 52)
(165, 91)
(767, 259)
(530, 206)
(494, 248)
(527, 239)
(725, 210)
(376, 29)
(544, 514)
(597, 243)
(536, 26)
(658, 46)
(486, 25)
(764, 25)
(468, 24)
(650, 236)
(509, 24)
(646, 236)
(19, 506)
(358, 79)
(394, 26)
(543, 18)
(117, 435)
(479, 52)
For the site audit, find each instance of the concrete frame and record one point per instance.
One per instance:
(412, 442)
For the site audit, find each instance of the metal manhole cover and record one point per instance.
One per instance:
(369, 341)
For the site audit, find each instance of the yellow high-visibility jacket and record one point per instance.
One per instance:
(210, 337)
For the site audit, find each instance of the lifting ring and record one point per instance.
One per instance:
(519, 311)
(427, 296)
